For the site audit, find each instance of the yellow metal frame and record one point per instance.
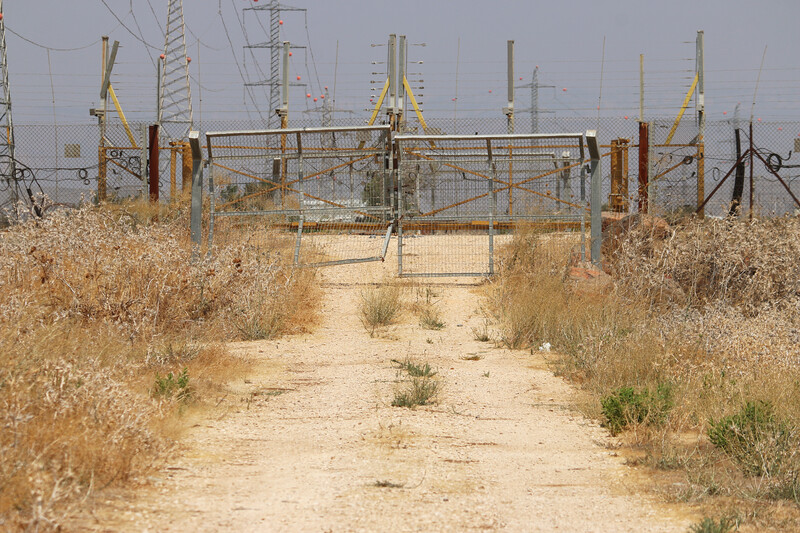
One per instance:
(411, 98)
(682, 111)
(379, 103)
(122, 115)
(415, 106)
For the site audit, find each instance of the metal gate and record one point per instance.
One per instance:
(311, 186)
(329, 195)
(459, 197)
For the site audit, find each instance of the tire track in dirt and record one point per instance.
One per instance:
(320, 449)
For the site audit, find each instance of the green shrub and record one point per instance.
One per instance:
(173, 385)
(709, 525)
(415, 369)
(627, 406)
(754, 438)
(418, 391)
(430, 318)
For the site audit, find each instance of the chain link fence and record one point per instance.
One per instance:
(461, 197)
(328, 187)
(63, 162)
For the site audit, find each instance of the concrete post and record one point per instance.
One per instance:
(197, 191)
(596, 198)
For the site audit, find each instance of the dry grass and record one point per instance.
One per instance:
(94, 304)
(713, 313)
(426, 306)
(380, 306)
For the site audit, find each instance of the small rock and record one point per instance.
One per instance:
(590, 280)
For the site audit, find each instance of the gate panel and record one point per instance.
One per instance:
(326, 191)
(461, 197)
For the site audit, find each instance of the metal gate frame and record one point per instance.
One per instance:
(383, 212)
(393, 205)
(494, 185)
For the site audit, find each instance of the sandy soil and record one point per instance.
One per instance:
(317, 446)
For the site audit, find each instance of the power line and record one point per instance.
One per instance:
(238, 67)
(52, 49)
(140, 33)
(127, 28)
(153, 11)
(249, 47)
(313, 61)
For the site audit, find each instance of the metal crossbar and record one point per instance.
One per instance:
(315, 183)
(339, 195)
(460, 196)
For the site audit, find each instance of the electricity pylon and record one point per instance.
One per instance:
(7, 161)
(327, 110)
(534, 110)
(175, 95)
(275, 45)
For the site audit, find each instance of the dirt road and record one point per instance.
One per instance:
(319, 448)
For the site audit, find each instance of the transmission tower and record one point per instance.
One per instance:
(327, 110)
(275, 45)
(534, 110)
(175, 95)
(7, 161)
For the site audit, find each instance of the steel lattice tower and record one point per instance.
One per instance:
(275, 45)
(327, 110)
(175, 95)
(534, 110)
(7, 161)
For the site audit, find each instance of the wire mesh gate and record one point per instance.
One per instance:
(330, 195)
(458, 197)
(316, 184)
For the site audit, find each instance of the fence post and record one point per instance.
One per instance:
(153, 147)
(618, 199)
(652, 186)
(596, 198)
(188, 167)
(143, 189)
(101, 174)
(197, 190)
(644, 165)
(752, 181)
(173, 170)
(701, 178)
(211, 199)
(398, 193)
(492, 204)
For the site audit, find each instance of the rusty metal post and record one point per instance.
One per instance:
(618, 198)
(616, 176)
(173, 170)
(738, 179)
(752, 182)
(186, 172)
(701, 178)
(701, 120)
(625, 176)
(101, 173)
(153, 157)
(644, 149)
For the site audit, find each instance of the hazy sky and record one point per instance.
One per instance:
(565, 39)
